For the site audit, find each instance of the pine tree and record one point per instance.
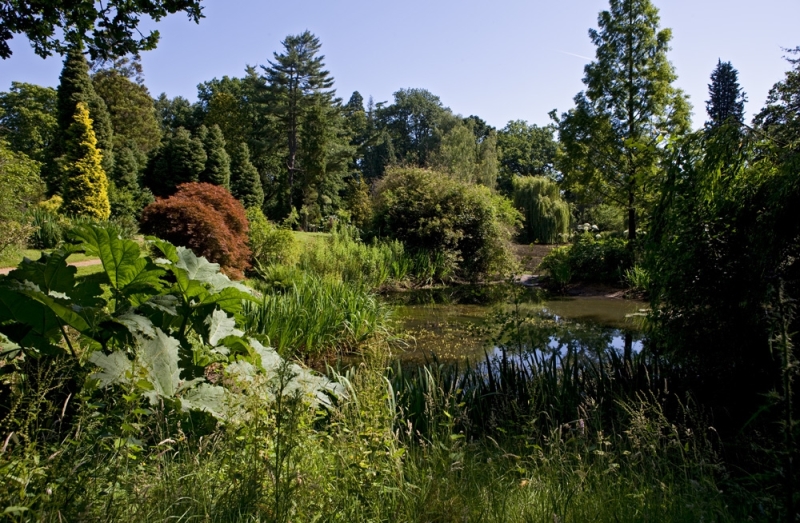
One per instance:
(218, 163)
(725, 97)
(75, 85)
(245, 181)
(85, 190)
(296, 83)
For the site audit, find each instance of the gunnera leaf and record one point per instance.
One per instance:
(159, 357)
(126, 270)
(220, 326)
(114, 368)
(206, 397)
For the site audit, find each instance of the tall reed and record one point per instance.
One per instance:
(316, 315)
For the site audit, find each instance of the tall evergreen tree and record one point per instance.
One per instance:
(325, 157)
(175, 113)
(780, 117)
(611, 138)
(85, 190)
(75, 85)
(245, 181)
(296, 82)
(180, 159)
(725, 97)
(218, 163)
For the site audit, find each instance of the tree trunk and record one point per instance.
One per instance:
(631, 218)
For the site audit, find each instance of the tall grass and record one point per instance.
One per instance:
(317, 315)
(286, 462)
(344, 256)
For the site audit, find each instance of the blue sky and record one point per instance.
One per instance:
(511, 59)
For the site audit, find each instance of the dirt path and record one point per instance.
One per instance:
(530, 256)
(82, 263)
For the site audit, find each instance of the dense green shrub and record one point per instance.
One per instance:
(546, 214)
(429, 211)
(557, 265)
(207, 219)
(21, 187)
(271, 245)
(590, 258)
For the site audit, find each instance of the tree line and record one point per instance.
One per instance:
(278, 137)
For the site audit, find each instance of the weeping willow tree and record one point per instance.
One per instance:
(546, 214)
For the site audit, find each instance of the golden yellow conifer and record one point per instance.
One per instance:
(85, 182)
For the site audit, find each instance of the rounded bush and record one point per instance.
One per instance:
(467, 225)
(207, 219)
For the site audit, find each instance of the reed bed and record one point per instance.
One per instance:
(317, 315)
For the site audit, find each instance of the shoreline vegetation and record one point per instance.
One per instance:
(437, 443)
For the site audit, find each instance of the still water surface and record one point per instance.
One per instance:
(468, 325)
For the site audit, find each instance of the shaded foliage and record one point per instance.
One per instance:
(28, 119)
(180, 159)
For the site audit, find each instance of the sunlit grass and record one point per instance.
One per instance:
(13, 257)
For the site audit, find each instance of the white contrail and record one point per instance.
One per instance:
(576, 55)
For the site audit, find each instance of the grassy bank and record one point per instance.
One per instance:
(183, 399)
(289, 462)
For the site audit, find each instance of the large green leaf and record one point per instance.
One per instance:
(229, 299)
(169, 251)
(7, 346)
(206, 397)
(220, 326)
(114, 368)
(28, 323)
(165, 303)
(159, 356)
(58, 304)
(197, 268)
(137, 324)
(50, 272)
(127, 272)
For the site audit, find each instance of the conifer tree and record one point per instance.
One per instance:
(611, 138)
(75, 85)
(725, 97)
(85, 190)
(180, 159)
(245, 181)
(218, 163)
(296, 85)
(131, 110)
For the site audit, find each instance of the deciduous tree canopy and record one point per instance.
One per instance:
(108, 28)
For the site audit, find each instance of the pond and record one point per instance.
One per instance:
(470, 323)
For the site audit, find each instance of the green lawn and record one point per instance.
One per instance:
(12, 257)
(309, 238)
